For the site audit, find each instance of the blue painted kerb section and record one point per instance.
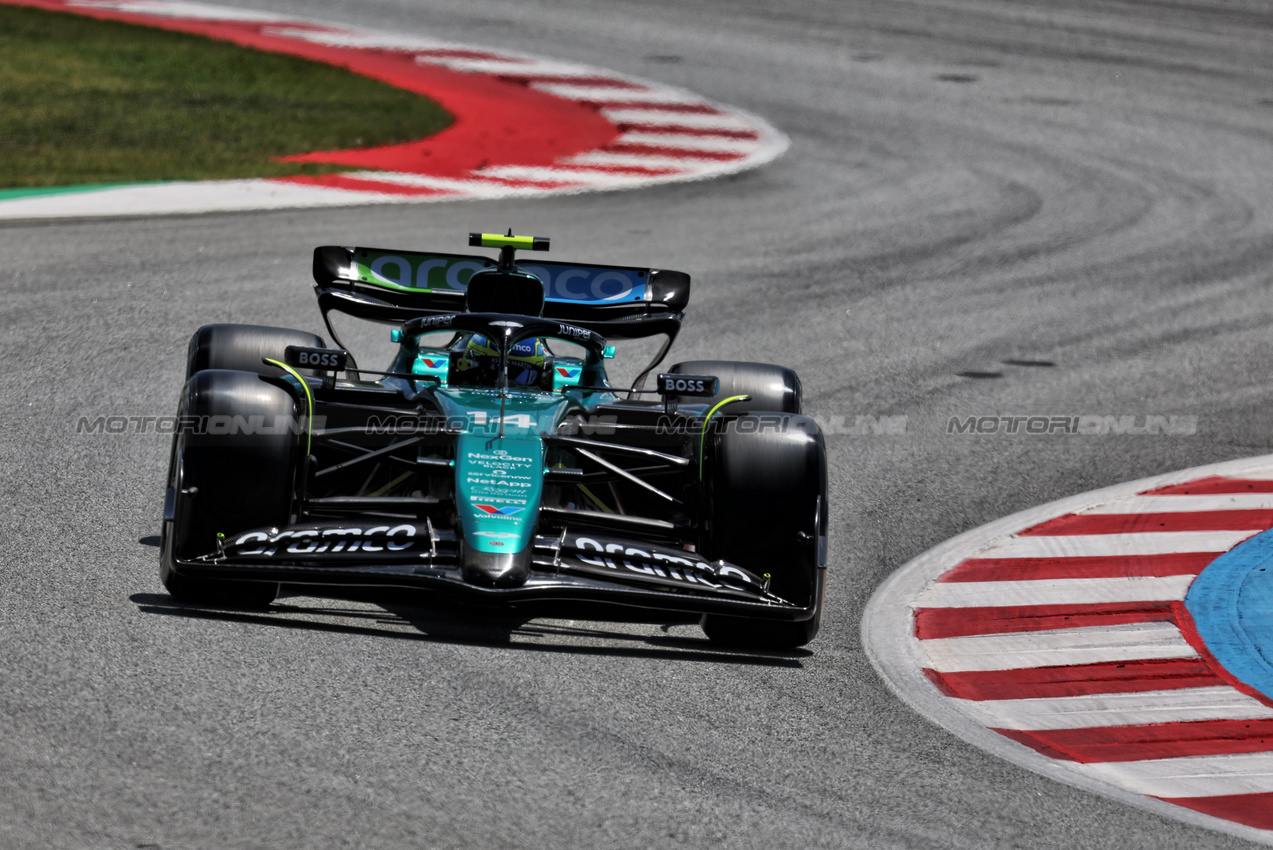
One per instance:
(1231, 602)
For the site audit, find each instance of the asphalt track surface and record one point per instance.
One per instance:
(989, 208)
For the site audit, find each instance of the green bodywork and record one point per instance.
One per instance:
(499, 480)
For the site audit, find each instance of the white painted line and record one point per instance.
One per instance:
(183, 197)
(1188, 504)
(1195, 776)
(475, 188)
(1184, 705)
(600, 94)
(597, 177)
(1058, 647)
(357, 40)
(686, 141)
(1105, 545)
(1075, 591)
(508, 65)
(665, 118)
(602, 159)
(176, 9)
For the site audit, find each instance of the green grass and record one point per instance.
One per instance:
(88, 101)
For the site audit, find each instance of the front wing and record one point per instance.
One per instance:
(567, 567)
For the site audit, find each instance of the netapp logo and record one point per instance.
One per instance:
(497, 482)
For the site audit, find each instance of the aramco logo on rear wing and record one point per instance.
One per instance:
(587, 284)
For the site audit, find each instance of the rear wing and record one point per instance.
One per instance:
(395, 286)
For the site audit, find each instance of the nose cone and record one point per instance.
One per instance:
(495, 569)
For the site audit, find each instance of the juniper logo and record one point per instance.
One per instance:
(1082, 424)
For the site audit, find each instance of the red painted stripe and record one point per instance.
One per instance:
(671, 126)
(1239, 520)
(590, 82)
(1214, 484)
(1250, 809)
(1156, 741)
(681, 108)
(621, 170)
(1118, 566)
(567, 80)
(582, 82)
(1157, 674)
(960, 622)
(690, 131)
(637, 102)
(656, 150)
(521, 183)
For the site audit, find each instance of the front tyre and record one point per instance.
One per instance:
(766, 511)
(242, 347)
(772, 388)
(231, 469)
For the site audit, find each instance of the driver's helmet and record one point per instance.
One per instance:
(528, 363)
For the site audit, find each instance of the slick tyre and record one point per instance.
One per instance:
(772, 388)
(766, 485)
(230, 471)
(242, 347)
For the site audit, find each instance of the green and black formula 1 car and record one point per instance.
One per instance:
(492, 460)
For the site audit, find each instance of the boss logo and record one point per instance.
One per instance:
(691, 385)
(326, 359)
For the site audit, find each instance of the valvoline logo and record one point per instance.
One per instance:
(433, 364)
(568, 373)
(505, 511)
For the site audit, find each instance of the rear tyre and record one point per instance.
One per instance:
(225, 480)
(772, 388)
(766, 484)
(241, 347)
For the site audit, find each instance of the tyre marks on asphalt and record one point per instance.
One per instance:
(524, 126)
(1064, 630)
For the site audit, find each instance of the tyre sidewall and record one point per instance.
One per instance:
(765, 509)
(232, 468)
